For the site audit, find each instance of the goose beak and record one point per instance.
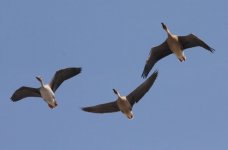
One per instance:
(38, 78)
(114, 90)
(164, 26)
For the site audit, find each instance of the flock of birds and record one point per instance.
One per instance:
(173, 44)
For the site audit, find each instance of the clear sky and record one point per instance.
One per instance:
(186, 109)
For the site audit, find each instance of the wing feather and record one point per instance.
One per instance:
(142, 89)
(191, 40)
(63, 75)
(156, 53)
(103, 108)
(24, 92)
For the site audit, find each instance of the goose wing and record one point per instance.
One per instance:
(103, 108)
(142, 89)
(191, 40)
(156, 53)
(63, 75)
(24, 92)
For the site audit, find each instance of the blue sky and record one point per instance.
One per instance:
(186, 109)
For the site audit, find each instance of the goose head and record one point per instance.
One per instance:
(116, 92)
(40, 79)
(164, 26)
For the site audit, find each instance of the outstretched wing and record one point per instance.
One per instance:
(24, 92)
(191, 40)
(156, 53)
(142, 89)
(63, 75)
(103, 108)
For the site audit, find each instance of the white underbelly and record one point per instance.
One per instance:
(176, 48)
(178, 53)
(123, 105)
(47, 94)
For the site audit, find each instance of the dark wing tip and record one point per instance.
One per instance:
(74, 70)
(80, 69)
(212, 50)
(155, 73)
(83, 108)
(209, 48)
(13, 98)
(77, 70)
(16, 97)
(144, 75)
(87, 109)
(145, 72)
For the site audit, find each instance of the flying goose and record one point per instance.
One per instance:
(124, 103)
(173, 44)
(46, 91)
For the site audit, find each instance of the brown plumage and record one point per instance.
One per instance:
(124, 103)
(46, 91)
(173, 44)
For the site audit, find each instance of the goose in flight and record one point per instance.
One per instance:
(124, 103)
(46, 91)
(173, 44)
